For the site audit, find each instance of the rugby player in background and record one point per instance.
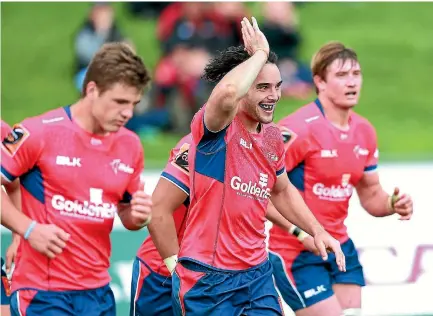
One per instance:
(330, 151)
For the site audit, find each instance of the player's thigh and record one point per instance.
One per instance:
(264, 299)
(303, 280)
(200, 292)
(40, 303)
(327, 307)
(347, 285)
(349, 295)
(95, 302)
(5, 310)
(150, 292)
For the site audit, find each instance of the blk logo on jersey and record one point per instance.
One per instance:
(68, 161)
(329, 153)
(245, 144)
(14, 140)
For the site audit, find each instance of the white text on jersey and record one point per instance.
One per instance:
(68, 161)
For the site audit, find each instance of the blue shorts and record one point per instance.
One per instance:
(96, 302)
(150, 292)
(308, 279)
(5, 287)
(200, 290)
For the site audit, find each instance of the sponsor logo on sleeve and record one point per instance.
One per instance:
(288, 136)
(180, 160)
(14, 140)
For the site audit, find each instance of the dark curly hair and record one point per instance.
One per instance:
(228, 59)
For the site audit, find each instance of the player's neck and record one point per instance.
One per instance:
(339, 117)
(249, 123)
(82, 116)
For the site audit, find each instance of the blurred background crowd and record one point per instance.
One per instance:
(46, 48)
(188, 34)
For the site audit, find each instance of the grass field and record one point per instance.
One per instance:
(394, 42)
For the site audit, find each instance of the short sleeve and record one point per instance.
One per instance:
(373, 153)
(21, 149)
(134, 183)
(281, 167)
(177, 169)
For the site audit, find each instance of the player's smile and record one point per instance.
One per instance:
(267, 107)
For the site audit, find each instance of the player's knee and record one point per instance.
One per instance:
(352, 312)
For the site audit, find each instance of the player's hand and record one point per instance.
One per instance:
(253, 38)
(402, 204)
(48, 239)
(326, 243)
(11, 253)
(141, 207)
(309, 244)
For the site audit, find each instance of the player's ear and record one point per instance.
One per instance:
(92, 90)
(319, 82)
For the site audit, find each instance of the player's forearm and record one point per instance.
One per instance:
(163, 232)
(291, 205)
(240, 78)
(276, 218)
(12, 218)
(376, 203)
(128, 221)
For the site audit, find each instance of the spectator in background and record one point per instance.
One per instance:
(146, 9)
(189, 33)
(98, 29)
(281, 30)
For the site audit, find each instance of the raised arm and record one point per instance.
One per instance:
(223, 102)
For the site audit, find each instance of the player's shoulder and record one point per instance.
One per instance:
(128, 137)
(271, 128)
(38, 125)
(49, 119)
(363, 123)
(301, 121)
(185, 141)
